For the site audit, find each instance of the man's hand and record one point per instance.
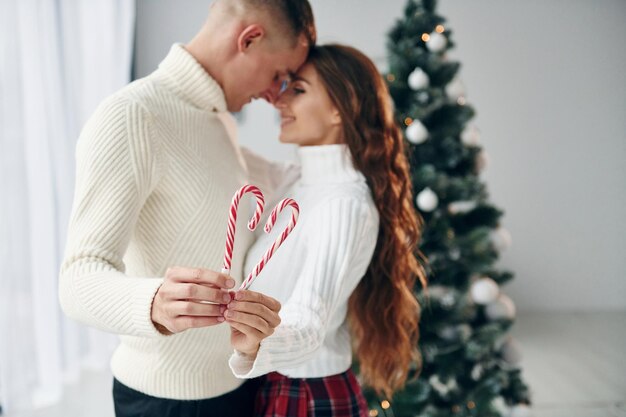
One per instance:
(190, 298)
(252, 317)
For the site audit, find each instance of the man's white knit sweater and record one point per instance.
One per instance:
(156, 172)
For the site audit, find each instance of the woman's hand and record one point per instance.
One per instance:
(252, 317)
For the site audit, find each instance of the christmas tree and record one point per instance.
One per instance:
(468, 359)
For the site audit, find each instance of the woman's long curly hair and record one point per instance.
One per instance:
(383, 311)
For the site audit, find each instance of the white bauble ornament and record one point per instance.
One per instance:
(484, 290)
(511, 352)
(436, 42)
(477, 372)
(502, 308)
(455, 254)
(427, 200)
(455, 89)
(416, 133)
(470, 136)
(520, 410)
(460, 207)
(501, 238)
(418, 79)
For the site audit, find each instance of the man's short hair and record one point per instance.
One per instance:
(295, 17)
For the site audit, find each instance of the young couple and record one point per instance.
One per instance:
(156, 170)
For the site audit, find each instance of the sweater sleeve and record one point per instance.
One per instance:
(342, 239)
(117, 163)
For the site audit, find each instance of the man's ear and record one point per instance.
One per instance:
(248, 36)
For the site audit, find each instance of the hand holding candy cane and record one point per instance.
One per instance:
(252, 315)
(248, 330)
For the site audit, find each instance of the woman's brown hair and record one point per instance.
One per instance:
(383, 311)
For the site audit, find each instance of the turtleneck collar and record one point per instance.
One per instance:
(191, 81)
(327, 164)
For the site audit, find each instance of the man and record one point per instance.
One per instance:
(155, 174)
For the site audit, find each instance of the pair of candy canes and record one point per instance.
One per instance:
(271, 221)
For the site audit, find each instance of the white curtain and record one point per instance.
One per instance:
(58, 60)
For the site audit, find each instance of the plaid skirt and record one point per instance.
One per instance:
(332, 396)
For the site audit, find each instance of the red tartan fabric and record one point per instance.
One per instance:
(332, 396)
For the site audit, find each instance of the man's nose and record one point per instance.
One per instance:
(272, 93)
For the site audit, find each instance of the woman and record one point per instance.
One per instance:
(345, 275)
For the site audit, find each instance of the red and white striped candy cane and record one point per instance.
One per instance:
(232, 221)
(271, 221)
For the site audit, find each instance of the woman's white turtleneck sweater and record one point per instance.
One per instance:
(316, 269)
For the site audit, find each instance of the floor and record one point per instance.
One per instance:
(574, 363)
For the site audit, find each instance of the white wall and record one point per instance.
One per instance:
(547, 79)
